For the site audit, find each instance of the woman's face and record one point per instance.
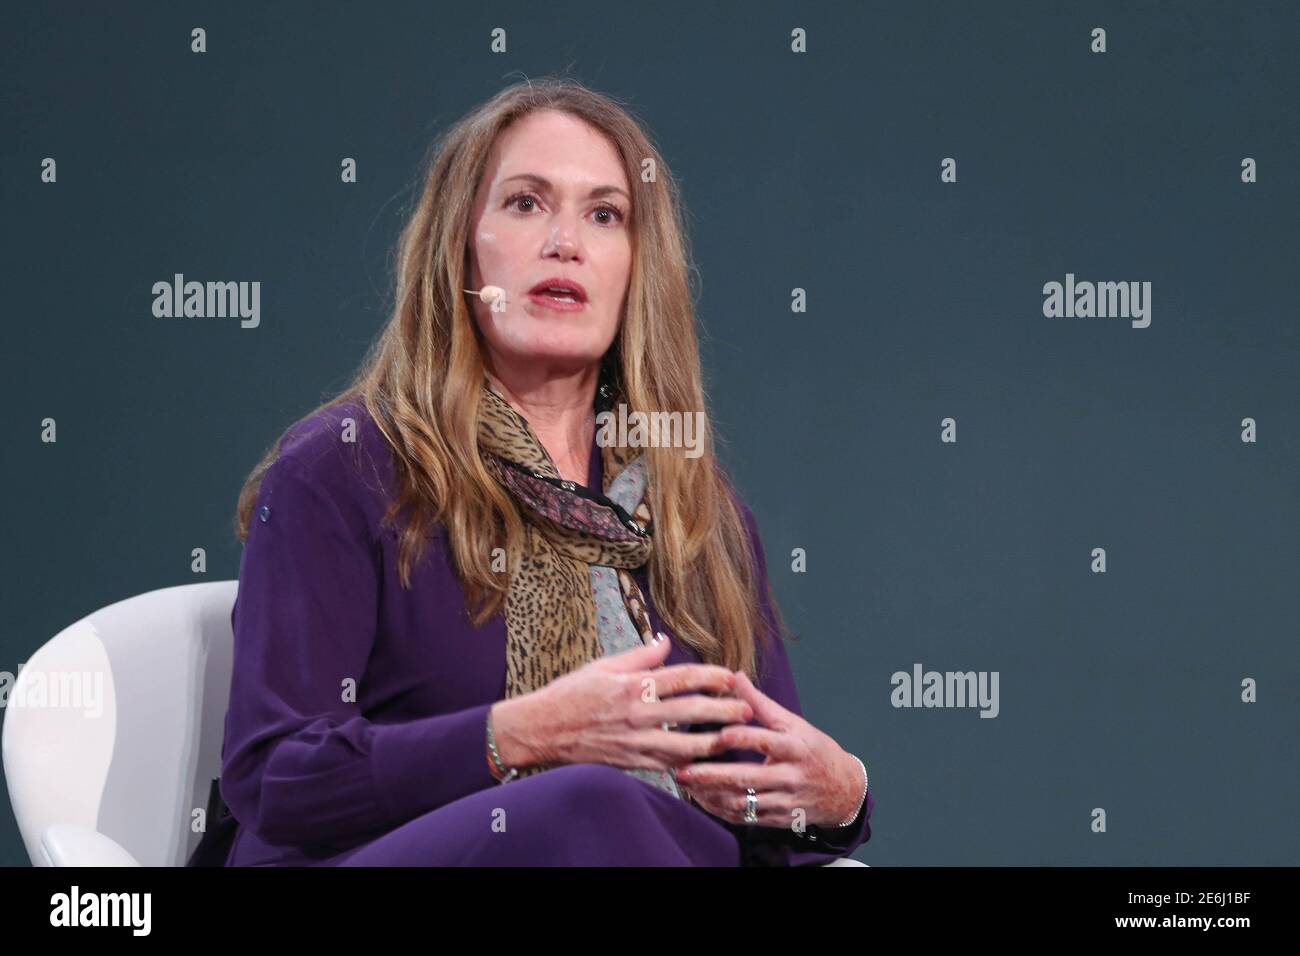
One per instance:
(553, 204)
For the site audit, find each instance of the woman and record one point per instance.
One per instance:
(450, 582)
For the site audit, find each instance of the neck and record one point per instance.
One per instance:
(559, 410)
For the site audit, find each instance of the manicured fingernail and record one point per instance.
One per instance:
(659, 638)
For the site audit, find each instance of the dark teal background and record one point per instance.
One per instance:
(1118, 690)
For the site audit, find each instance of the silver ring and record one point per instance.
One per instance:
(751, 805)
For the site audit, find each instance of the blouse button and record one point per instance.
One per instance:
(265, 513)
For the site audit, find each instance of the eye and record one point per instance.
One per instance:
(520, 197)
(613, 210)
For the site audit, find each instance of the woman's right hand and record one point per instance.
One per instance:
(613, 711)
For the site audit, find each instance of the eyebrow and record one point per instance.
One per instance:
(545, 183)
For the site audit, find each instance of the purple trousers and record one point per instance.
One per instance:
(574, 815)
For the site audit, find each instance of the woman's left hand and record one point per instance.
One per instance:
(805, 770)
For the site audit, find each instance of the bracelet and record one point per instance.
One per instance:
(865, 784)
(495, 765)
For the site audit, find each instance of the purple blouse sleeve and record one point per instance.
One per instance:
(301, 763)
(776, 845)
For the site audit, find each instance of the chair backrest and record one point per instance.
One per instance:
(116, 723)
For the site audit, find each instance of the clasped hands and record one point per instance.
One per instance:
(624, 709)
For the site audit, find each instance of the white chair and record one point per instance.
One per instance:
(109, 767)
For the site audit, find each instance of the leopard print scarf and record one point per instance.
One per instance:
(572, 599)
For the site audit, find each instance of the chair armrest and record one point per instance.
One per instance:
(67, 844)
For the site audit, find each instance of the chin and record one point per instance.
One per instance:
(561, 353)
(576, 345)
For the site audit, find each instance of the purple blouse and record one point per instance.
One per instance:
(310, 770)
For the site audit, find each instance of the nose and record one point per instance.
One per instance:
(561, 243)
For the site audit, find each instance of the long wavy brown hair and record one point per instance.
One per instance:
(420, 383)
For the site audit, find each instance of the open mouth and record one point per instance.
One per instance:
(561, 293)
